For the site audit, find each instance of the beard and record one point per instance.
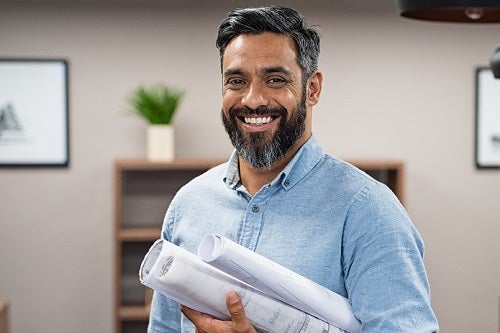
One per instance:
(260, 150)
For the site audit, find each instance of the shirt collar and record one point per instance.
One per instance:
(232, 174)
(301, 164)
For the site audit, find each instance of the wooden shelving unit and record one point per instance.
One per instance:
(389, 172)
(143, 191)
(4, 316)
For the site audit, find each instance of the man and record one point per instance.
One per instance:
(281, 196)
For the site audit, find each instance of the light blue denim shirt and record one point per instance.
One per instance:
(324, 219)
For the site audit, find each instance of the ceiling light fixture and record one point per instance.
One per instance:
(495, 62)
(472, 11)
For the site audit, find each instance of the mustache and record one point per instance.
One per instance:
(246, 111)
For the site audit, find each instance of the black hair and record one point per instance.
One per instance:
(275, 19)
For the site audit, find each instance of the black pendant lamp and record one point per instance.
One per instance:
(495, 62)
(473, 11)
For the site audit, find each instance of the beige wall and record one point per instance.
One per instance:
(393, 88)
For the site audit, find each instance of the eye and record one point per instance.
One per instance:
(276, 81)
(235, 83)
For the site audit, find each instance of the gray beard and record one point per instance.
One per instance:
(261, 157)
(256, 149)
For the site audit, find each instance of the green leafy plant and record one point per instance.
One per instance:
(156, 104)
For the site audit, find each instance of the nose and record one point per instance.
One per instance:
(255, 96)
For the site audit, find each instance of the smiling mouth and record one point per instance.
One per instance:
(258, 121)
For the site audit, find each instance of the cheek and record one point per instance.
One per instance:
(229, 99)
(289, 100)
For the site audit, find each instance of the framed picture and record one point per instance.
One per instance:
(487, 119)
(34, 112)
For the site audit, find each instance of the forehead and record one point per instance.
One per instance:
(266, 49)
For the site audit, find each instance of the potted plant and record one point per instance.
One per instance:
(157, 104)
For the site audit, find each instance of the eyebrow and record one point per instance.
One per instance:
(277, 69)
(231, 71)
(266, 70)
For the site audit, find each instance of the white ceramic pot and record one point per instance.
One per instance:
(160, 140)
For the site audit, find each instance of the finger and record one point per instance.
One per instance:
(204, 322)
(237, 312)
(193, 315)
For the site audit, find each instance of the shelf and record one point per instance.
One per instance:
(143, 191)
(377, 164)
(130, 313)
(177, 164)
(139, 234)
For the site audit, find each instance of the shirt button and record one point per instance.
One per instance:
(287, 183)
(255, 208)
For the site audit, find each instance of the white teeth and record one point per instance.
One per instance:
(257, 121)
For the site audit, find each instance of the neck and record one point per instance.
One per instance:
(255, 178)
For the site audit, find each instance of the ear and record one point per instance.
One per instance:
(313, 91)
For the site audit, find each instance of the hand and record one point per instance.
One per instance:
(207, 324)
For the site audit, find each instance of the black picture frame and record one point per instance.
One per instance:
(34, 112)
(487, 120)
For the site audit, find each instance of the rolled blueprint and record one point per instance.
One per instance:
(185, 278)
(278, 281)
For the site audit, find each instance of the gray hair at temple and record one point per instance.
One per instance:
(275, 19)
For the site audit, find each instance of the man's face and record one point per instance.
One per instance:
(263, 107)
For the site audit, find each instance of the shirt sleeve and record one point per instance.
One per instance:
(165, 315)
(383, 265)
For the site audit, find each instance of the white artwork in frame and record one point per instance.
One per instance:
(34, 112)
(487, 119)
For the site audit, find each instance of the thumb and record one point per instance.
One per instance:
(235, 308)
